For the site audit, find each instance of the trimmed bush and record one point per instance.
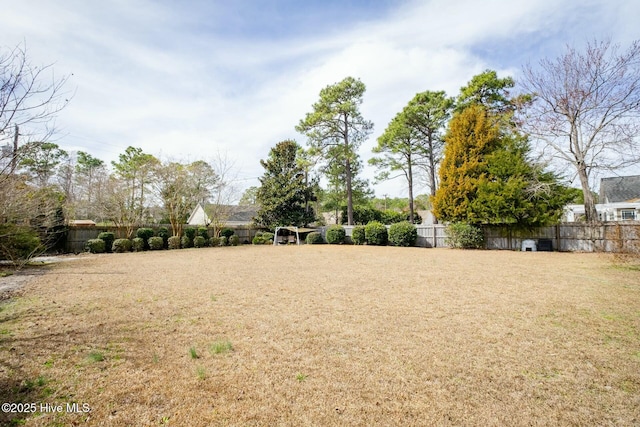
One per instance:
(108, 238)
(190, 232)
(335, 235)
(173, 242)
(224, 241)
(186, 242)
(156, 243)
(227, 232)
(234, 240)
(403, 234)
(121, 245)
(376, 233)
(95, 246)
(145, 233)
(263, 238)
(199, 242)
(464, 236)
(137, 244)
(358, 235)
(214, 242)
(164, 233)
(314, 238)
(203, 232)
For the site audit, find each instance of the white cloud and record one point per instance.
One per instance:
(158, 75)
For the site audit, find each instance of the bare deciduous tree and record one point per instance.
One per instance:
(586, 110)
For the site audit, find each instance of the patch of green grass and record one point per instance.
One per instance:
(301, 377)
(6, 273)
(96, 356)
(48, 363)
(220, 347)
(213, 298)
(156, 358)
(193, 353)
(202, 373)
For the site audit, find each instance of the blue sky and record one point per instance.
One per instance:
(186, 80)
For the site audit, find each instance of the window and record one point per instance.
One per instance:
(628, 214)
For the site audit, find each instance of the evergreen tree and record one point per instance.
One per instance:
(284, 195)
(336, 129)
(487, 178)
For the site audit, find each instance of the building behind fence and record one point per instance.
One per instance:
(569, 237)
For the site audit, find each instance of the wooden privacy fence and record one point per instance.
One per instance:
(573, 237)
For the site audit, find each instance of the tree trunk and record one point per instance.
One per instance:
(348, 172)
(349, 193)
(410, 181)
(589, 203)
(432, 174)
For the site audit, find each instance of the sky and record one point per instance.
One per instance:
(197, 79)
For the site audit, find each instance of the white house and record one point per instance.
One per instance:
(238, 216)
(619, 201)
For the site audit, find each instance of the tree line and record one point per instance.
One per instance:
(500, 152)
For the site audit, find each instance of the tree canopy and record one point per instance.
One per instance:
(283, 195)
(586, 110)
(335, 128)
(487, 176)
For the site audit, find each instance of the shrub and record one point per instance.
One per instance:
(108, 238)
(121, 245)
(376, 233)
(263, 238)
(464, 236)
(358, 235)
(391, 217)
(234, 240)
(95, 246)
(164, 233)
(314, 238)
(335, 235)
(186, 242)
(403, 234)
(156, 243)
(224, 241)
(199, 242)
(173, 242)
(18, 242)
(144, 234)
(227, 232)
(137, 244)
(203, 232)
(214, 242)
(190, 232)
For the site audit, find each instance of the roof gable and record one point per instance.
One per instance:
(619, 189)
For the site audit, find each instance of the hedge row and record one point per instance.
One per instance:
(146, 240)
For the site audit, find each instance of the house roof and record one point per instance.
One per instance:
(619, 189)
(237, 213)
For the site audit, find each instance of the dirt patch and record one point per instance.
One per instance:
(327, 335)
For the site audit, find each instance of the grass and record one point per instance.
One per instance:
(193, 353)
(329, 335)
(219, 347)
(96, 356)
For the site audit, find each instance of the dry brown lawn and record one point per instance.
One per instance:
(326, 336)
